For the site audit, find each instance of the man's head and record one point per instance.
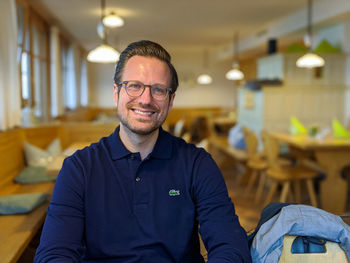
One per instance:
(146, 48)
(144, 89)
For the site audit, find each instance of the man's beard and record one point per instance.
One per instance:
(142, 131)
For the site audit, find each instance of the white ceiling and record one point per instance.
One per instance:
(176, 24)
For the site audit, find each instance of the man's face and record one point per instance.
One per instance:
(143, 115)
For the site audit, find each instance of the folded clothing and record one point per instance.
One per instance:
(34, 174)
(21, 203)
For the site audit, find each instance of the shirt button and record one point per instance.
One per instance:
(138, 179)
(132, 157)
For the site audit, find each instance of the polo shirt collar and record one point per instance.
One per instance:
(162, 149)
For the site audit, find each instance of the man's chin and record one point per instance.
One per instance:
(142, 130)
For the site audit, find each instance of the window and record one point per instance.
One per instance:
(33, 59)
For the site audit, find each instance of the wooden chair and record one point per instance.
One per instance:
(333, 253)
(255, 163)
(285, 175)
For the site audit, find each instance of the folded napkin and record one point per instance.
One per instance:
(34, 174)
(21, 203)
(296, 127)
(339, 130)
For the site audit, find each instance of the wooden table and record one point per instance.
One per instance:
(332, 155)
(238, 155)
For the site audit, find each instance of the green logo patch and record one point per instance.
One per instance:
(173, 192)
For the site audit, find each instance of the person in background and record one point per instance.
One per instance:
(141, 194)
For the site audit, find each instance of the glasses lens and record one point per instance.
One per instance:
(134, 88)
(159, 92)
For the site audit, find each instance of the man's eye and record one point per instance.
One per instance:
(134, 86)
(158, 90)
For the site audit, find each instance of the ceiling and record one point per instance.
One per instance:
(178, 25)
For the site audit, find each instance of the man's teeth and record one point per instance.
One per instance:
(144, 112)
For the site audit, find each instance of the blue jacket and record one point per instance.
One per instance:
(297, 220)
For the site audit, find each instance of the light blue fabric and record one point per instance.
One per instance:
(236, 137)
(34, 174)
(298, 220)
(21, 203)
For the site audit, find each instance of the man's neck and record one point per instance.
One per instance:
(143, 144)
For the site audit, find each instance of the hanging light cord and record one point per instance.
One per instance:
(309, 21)
(103, 7)
(235, 47)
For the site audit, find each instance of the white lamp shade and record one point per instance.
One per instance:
(103, 54)
(112, 20)
(204, 79)
(234, 74)
(310, 60)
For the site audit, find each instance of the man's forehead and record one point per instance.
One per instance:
(146, 65)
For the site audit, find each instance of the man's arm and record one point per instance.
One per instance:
(61, 239)
(222, 234)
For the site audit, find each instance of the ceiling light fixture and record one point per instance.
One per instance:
(309, 60)
(103, 53)
(112, 20)
(205, 79)
(235, 73)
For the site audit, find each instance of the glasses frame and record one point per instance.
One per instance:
(124, 84)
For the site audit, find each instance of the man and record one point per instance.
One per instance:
(140, 194)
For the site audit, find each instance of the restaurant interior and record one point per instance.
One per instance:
(264, 87)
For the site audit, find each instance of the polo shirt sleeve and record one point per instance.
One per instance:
(222, 234)
(62, 235)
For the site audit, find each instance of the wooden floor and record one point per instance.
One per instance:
(247, 211)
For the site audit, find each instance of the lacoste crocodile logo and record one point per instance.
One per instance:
(173, 192)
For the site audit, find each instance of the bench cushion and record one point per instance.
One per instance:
(21, 203)
(34, 174)
(39, 157)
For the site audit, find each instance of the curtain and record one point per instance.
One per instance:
(84, 84)
(10, 98)
(56, 73)
(72, 91)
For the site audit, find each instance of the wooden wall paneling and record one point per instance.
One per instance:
(41, 136)
(88, 132)
(12, 157)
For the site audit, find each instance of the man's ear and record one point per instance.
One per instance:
(115, 94)
(171, 101)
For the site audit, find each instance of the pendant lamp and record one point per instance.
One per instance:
(204, 78)
(112, 20)
(235, 73)
(103, 53)
(309, 60)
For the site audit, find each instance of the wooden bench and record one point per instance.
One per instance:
(237, 155)
(16, 231)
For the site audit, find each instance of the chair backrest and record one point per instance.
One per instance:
(272, 150)
(251, 142)
(333, 253)
(179, 127)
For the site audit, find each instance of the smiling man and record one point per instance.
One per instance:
(140, 194)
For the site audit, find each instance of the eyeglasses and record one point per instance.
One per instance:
(136, 88)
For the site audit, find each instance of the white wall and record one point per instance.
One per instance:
(101, 85)
(189, 64)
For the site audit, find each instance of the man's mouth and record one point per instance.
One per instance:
(143, 112)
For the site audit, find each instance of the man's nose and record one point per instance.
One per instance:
(146, 96)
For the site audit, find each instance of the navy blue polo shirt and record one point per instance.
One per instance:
(109, 205)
